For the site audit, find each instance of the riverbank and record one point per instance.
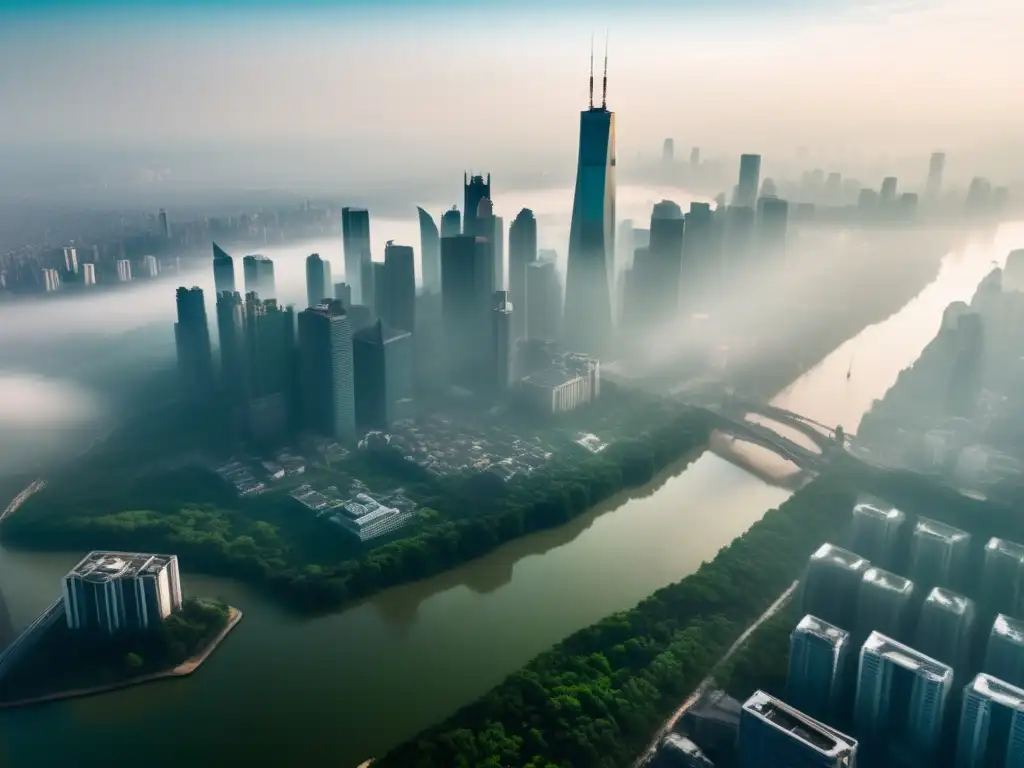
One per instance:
(184, 669)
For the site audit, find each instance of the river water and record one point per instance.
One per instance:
(334, 690)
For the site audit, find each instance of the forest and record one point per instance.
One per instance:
(190, 512)
(599, 695)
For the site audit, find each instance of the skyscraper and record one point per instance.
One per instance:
(832, 583)
(318, 280)
(384, 370)
(192, 342)
(749, 181)
(223, 271)
(326, 371)
(430, 252)
(587, 320)
(775, 735)
(887, 195)
(71, 259)
(490, 227)
(475, 189)
(150, 266)
(945, 626)
(901, 700)
(88, 274)
(543, 301)
(668, 152)
(818, 654)
(232, 342)
(259, 276)
(503, 342)
(451, 223)
(1002, 577)
(465, 278)
(660, 288)
(165, 226)
(522, 251)
(772, 226)
(876, 528)
(355, 235)
(702, 267)
(343, 293)
(1004, 656)
(938, 554)
(124, 271)
(936, 166)
(991, 718)
(270, 345)
(882, 604)
(400, 277)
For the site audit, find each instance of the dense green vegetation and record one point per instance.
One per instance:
(270, 541)
(762, 662)
(598, 696)
(66, 659)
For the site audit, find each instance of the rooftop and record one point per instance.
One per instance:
(1007, 548)
(812, 625)
(996, 690)
(906, 657)
(878, 512)
(936, 530)
(108, 566)
(550, 377)
(833, 555)
(888, 581)
(950, 601)
(797, 724)
(1009, 628)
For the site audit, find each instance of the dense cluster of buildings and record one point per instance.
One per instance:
(894, 659)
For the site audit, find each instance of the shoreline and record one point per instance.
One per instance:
(184, 669)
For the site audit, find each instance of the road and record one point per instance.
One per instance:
(706, 683)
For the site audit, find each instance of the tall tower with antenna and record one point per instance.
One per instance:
(587, 321)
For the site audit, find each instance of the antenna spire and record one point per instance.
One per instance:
(604, 85)
(591, 70)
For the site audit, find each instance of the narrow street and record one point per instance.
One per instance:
(706, 683)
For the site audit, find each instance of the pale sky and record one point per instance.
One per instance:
(394, 80)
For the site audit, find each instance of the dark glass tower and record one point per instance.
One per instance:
(587, 320)
(231, 339)
(466, 306)
(543, 301)
(326, 371)
(430, 253)
(750, 177)
(355, 235)
(772, 225)
(400, 279)
(475, 189)
(384, 370)
(318, 280)
(451, 223)
(522, 251)
(223, 270)
(259, 276)
(665, 253)
(192, 341)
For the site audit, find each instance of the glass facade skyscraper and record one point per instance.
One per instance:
(991, 718)
(775, 735)
(817, 657)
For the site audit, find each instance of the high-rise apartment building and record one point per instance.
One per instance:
(234, 371)
(466, 304)
(876, 528)
(124, 271)
(522, 251)
(775, 735)
(326, 371)
(945, 627)
(150, 266)
(164, 224)
(938, 554)
(831, 585)
(88, 274)
(749, 181)
(400, 278)
(192, 342)
(343, 293)
(318, 280)
(503, 341)
(587, 319)
(110, 592)
(430, 252)
(1003, 577)
(71, 260)
(543, 301)
(259, 276)
(818, 654)
(223, 271)
(1004, 656)
(660, 285)
(991, 720)
(355, 235)
(883, 604)
(51, 280)
(384, 376)
(901, 700)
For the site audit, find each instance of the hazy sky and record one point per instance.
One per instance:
(479, 82)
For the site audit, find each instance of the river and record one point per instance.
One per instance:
(336, 689)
